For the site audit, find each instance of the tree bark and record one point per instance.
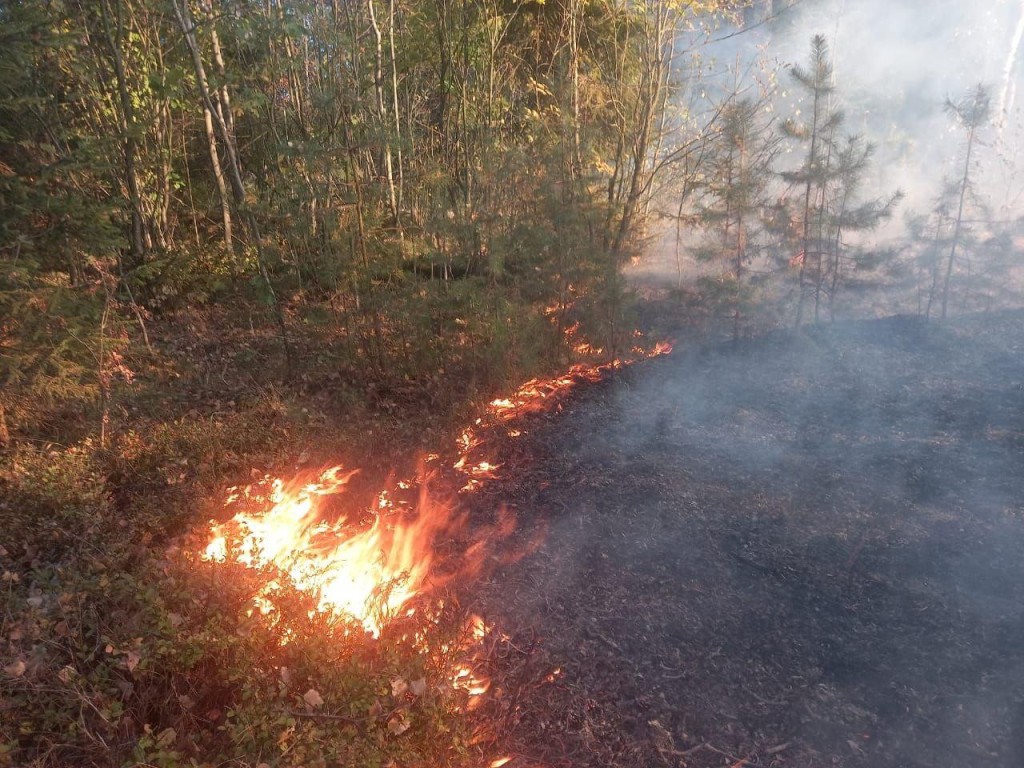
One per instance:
(378, 82)
(958, 222)
(184, 17)
(114, 32)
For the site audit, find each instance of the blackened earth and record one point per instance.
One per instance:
(803, 550)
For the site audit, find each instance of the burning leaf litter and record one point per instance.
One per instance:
(370, 576)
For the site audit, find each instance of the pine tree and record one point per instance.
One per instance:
(830, 177)
(847, 214)
(734, 196)
(815, 172)
(972, 112)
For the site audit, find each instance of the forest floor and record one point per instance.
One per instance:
(801, 550)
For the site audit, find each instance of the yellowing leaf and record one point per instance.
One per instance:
(399, 724)
(166, 737)
(131, 660)
(398, 686)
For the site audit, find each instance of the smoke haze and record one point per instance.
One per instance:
(896, 64)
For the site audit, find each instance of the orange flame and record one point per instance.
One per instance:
(369, 575)
(364, 575)
(535, 396)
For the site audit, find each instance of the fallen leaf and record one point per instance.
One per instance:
(398, 686)
(17, 669)
(399, 724)
(131, 660)
(418, 687)
(313, 698)
(166, 737)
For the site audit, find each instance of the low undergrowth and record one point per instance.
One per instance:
(120, 647)
(147, 658)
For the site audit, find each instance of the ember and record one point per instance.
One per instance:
(369, 575)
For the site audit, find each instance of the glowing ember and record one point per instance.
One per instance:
(367, 575)
(535, 396)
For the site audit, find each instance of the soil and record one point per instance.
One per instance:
(801, 550)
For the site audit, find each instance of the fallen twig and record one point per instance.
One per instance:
(328, 717)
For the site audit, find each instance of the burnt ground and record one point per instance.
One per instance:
(803, 550)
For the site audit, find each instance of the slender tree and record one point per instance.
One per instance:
(972, 112)
(848, 215)
(815, 172)
(734, 195)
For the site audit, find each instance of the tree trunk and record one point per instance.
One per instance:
(184, 17)
(1006, 91)
(808, 186)
(114, 31)
(5, 435)
(650, 101)
(958, 222)
(378, 82)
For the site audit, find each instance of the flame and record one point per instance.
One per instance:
(361, 575)
(466, 679)
(368, 575)
(535, 396)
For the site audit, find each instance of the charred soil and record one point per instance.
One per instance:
(803, 550)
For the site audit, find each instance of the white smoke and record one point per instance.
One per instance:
(896, 62)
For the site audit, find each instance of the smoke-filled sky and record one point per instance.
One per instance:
(896, 62)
